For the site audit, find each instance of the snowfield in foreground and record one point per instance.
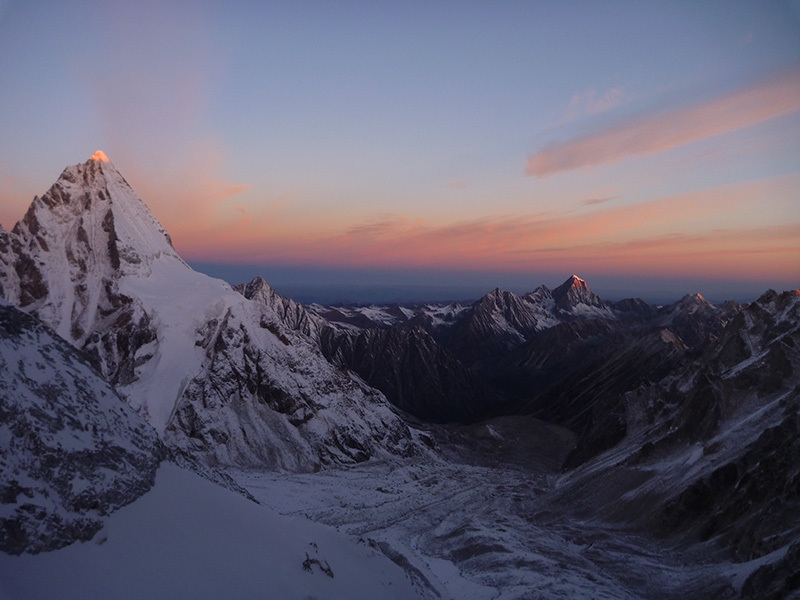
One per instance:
(189, 538)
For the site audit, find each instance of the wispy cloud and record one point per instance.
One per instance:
(385, 226)
(654, 133)
(667, 235)
(747, 230)
(595, 201)
(589, 103)
(163, 141)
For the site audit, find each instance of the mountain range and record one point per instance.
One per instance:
(678, 424)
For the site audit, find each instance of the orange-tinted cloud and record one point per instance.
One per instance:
(656, 133)
(736, 231)
(594, 201)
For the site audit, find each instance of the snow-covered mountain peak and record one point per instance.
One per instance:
(575, 280)
(572, 283)
(216, 374)
(692, 303)
(86, 233)
(574, 294)
(100, 156)
(257, 289)
(92, 208)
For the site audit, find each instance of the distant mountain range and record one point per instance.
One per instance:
(115, 355)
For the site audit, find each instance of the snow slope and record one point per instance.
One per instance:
(191, 539)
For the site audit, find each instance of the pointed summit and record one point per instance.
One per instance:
(100, 156)
(92, 212)
(89, 229)
(691, 303)
(574, 292)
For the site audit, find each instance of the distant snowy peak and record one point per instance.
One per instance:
(575, 292)
(516, 316)
(693, 302)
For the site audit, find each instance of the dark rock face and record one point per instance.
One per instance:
(494, 325)
(9, 286)
(751, 503)
(415, 373)
(565, 356)
(635, 306)
(776, 581)
(577, 374)
(711, 450)
(697, 321)
(72, 450)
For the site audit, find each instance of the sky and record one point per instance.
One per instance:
(439, 149)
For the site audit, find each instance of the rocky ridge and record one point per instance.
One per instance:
(71, 450)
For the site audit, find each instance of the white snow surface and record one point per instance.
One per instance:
(188, 538)
(180, 302)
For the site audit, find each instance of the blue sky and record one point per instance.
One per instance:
(645, 146)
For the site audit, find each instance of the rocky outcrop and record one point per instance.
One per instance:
(71, 450)
(292, 314)
(496, 324)
(417, 374)
(696, 321)
(265, 398)
(710, 454)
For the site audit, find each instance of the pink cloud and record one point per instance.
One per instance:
(590, 103)
(657, 133)
(595, 201)
(457, 184)
(385, 226)
(669, 235)
(163, 142)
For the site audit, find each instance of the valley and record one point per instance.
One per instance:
(486, 518)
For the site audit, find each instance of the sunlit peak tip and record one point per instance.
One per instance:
(100, 156)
